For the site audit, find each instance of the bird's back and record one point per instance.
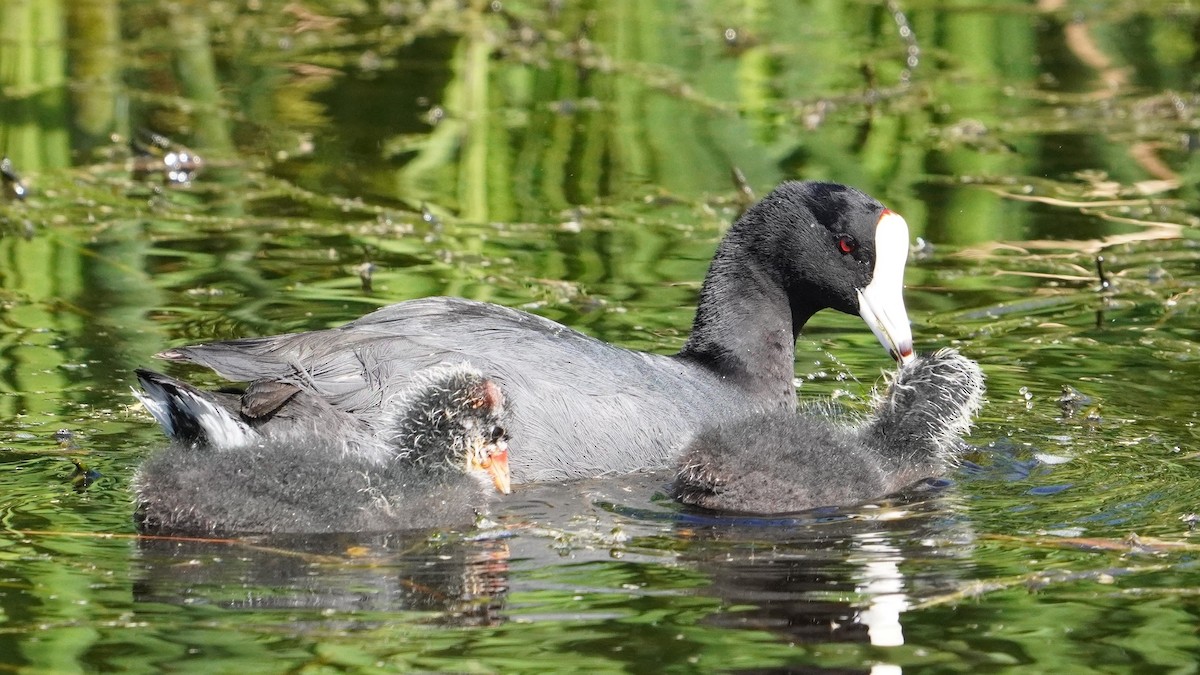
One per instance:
(577, 406)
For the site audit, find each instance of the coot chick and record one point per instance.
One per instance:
(582, 407)
(447, 455)
(787, 462)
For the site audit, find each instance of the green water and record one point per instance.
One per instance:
(574, 159)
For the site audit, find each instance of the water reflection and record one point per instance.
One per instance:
(835, 576)
(462, 580)
(831, 576)
(592, 143)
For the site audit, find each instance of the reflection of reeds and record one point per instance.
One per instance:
(605, 100)
(95, 58)
(32, 84)
(198, 78)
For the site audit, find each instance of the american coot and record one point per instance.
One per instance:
(446, 455)
(784, 462)
(579, 406)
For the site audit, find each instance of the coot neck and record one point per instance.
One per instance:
(746, 325)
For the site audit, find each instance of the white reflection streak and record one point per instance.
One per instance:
(883, 585)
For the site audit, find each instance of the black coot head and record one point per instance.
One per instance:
(837, 247)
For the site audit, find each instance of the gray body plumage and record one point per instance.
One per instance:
(787, 462)
(578, 406)
(312, 483)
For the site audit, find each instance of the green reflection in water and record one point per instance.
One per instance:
(574, 159)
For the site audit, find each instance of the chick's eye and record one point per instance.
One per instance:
(497, 433)
(846, 244)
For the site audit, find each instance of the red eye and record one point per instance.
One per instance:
(846, 244)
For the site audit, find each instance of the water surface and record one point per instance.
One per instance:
(575, 159)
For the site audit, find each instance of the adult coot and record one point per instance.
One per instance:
(579, 406)
(446, 454)
(785, 462)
